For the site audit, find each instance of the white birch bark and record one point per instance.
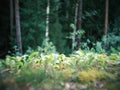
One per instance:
(47, 19)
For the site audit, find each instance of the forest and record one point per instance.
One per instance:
(60, 45)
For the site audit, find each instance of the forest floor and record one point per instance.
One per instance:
(114, 84)
(20, 73)
(7, 82)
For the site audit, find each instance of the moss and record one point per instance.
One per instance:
(67, 74)
(93, 75)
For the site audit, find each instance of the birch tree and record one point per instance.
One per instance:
(74, 27)
(47, 19)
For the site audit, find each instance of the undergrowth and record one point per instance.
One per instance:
(53, 71)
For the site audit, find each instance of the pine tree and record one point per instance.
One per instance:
(11, 17)
(18, 31)
(106, 22)
(79, 23)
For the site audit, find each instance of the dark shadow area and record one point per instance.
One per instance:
(4, 28)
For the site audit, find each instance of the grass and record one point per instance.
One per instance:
(39, 71)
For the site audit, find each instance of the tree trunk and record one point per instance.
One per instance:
(11, 17)
(106, 17)
(74, 29)
(18, 31)
(106, 24)
(47, 19)
(79, 15)
(79, 23)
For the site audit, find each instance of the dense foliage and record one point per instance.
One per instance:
(69, 58)
(62, 15)
(52, 71)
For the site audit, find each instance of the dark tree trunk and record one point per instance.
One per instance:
(18, 31)
(79, 23)
(106, 17)
(106, 24)
(11, 17)
(79, 15)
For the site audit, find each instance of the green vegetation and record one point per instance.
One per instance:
(52, 71)
(59, 45)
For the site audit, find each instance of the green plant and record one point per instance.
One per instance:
(111, 41)
(1, 64)
(85, 60)
(99, 47)
(41, 70)
(47, 47)
(31, 76)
